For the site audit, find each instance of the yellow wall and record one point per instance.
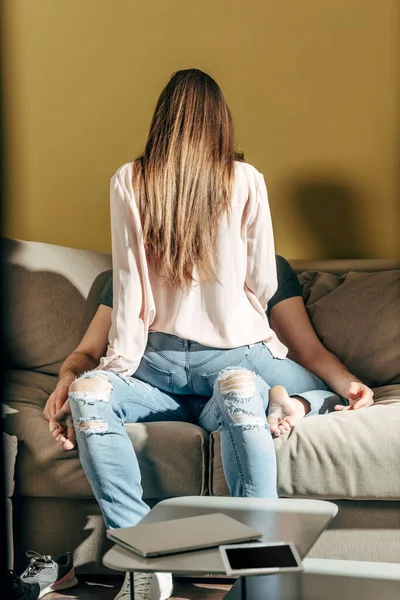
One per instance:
(313, 86)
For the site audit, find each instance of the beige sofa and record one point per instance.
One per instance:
(10, 452)
(350, 458)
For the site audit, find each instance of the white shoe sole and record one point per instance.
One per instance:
(55, 587)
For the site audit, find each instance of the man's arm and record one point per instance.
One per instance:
(84, 358)
(291, 323)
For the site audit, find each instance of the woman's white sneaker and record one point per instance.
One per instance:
(147, 586)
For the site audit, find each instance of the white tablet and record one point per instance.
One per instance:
(260, 559)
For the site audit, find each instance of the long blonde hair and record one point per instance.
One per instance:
(183, 181)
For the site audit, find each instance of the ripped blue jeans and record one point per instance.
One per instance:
(179, 380)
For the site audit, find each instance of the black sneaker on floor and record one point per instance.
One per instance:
(16, 589)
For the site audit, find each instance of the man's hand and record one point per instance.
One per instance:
(359, 396)
(62, 427)
(58, 398)
(85, 357)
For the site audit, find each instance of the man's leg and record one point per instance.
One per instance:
(101, 402)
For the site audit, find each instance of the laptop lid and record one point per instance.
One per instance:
(182, 535)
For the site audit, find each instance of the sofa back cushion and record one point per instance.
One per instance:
(357, 317)
(52, 293)
(51, 297)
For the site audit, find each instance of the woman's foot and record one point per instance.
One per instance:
(147, 586)
(284, 410)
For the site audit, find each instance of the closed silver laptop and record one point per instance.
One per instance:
(182, 535)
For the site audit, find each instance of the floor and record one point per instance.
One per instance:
(106, 588)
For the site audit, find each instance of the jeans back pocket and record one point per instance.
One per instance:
(153, 375)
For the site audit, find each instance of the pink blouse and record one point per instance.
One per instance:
(224, 314)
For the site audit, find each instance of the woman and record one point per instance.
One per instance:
(194, 268)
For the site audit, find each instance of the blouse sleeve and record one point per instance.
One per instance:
(128, 334)
(261, 278)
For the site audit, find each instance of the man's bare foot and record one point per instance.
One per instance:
(284, 410)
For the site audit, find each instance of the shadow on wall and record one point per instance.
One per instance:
(47, 316)
(328, 211)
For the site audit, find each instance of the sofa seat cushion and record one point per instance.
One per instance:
(356, 316)
(173, 456)
(344, 455)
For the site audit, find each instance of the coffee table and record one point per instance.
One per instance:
(300, 521)
(324, 580)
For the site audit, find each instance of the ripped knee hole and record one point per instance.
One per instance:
(91, 389)
(92, 425)
(91, 383)
(238, 382)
